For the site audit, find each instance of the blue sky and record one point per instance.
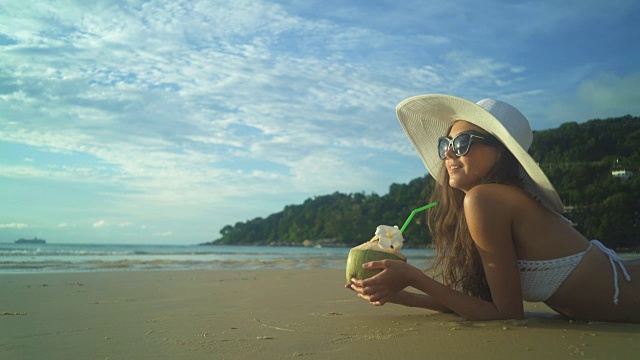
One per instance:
(163, 121)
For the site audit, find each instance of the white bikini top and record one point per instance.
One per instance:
(541, 279)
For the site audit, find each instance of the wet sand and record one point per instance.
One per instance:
(273, 314)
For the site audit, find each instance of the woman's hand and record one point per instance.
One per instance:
(386, 286)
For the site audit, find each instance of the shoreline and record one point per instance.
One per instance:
(267, 314)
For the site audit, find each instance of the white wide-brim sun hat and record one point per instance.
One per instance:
(426, 118)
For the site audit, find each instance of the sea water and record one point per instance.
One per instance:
(38, 258)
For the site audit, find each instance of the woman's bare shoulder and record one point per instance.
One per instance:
(490, 203)
(496, 195)
(508, 202)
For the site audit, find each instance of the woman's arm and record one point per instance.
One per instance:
(469, 307)
(382, 288)
(424, 301)
(488, 211)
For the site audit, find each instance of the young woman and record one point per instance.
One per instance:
(498, 232)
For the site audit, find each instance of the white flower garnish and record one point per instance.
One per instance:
(389, 237)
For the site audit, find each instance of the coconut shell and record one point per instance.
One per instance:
(364, 253)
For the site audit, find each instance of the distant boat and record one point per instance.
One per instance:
(31, 241)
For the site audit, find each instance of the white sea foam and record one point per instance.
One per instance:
(24, 258)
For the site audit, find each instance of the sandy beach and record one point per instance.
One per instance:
(272, 314)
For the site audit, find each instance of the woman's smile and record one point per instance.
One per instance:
(453, 167)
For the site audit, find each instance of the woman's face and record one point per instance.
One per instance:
(466, 171)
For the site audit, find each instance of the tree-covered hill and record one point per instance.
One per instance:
(578, 158)
(335, 220)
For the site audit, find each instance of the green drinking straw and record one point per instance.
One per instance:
(415, 212)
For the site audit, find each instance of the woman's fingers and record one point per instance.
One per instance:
(372, 299)
(372, 295)
(369, 290)
(363, 284)
(375, 265)
(358, 289)
(349, 286)
(377, 298)
(364, 290)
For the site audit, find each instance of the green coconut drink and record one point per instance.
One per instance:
(364, 253)
(385, 245)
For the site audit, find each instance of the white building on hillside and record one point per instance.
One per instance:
(624, 174)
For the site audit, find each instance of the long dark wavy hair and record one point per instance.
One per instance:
(457, 259)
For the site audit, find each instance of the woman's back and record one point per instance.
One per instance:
(588, 291)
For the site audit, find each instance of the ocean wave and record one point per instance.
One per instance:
(87, 257)
(167, 264)
(52, 251)
(22, 252)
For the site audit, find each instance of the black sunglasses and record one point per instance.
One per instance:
(462, 142)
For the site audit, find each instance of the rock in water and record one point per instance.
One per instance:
(364, 253)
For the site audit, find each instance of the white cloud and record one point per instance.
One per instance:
(100, 224)
(163, 234)
(603, 95)
(609, 93)
(14, 226)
